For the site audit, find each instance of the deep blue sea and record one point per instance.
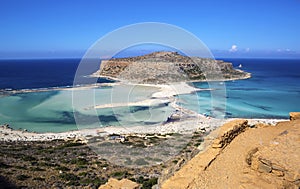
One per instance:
(41, 73)
(272, 92)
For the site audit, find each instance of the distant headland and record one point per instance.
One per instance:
(168, 67)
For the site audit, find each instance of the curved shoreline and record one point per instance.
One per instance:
(189, 122)
(6, 92)
(247, 76)
(186, 126)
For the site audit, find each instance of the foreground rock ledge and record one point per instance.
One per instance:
(120, 184)
(242, 157)
(294, 115)
(225, 134)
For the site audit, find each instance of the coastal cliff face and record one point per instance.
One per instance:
(165, 67)
(244, 156)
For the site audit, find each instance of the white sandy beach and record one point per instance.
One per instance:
(189, 122)
(188, 125)
(164, 95)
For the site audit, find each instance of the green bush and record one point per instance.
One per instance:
(175, 161)
(23, 177)
(79, 161)
(147, 184)
(68, 177)
(20, 167)
(48, 164)
(84, 174)
(70, 144)
(62, 168)
(119, 174)
(97, 181)
(28, 158)
(39, 178)
(3, 165)
(36, 169)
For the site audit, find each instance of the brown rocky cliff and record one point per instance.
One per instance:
(187, 175)
(260, 157)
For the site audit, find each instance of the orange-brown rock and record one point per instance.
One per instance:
(260, 157)
(294, 115)
(120, 184)
(228, 132)
(282, 155)
(184, 177)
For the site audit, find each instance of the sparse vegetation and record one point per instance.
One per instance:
(4, 166)
(68, 177)
(28, 158)
(120, 174)
(180, 68)
(79, 161)
(147, 183)
(20, 167)
(36, 169)
(39, 179)
(141, 161)
(62, 168)
(70, 144)
(77, 166)
(175, 161)
(22, 177)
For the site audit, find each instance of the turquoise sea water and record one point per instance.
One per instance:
(52, 111)
(272, 92)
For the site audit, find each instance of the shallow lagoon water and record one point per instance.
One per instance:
(272, 92)
(52, 111)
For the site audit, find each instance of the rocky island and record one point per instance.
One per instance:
(195, 150)
(168, 67)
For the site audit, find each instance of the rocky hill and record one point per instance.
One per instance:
(245, 156)
(165, 67)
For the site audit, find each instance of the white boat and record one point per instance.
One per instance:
(240, 66)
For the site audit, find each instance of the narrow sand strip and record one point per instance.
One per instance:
(190, 122)
(187, 125)
(164, 95)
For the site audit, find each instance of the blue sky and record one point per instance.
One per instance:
(230, 28)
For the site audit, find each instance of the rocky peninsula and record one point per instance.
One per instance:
(168, 67)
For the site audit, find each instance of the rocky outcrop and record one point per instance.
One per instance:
(120, 184)
(281, 158)
(229, 131)
(165, 67)
(261, 156)
(186, 175)
(294, 115)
